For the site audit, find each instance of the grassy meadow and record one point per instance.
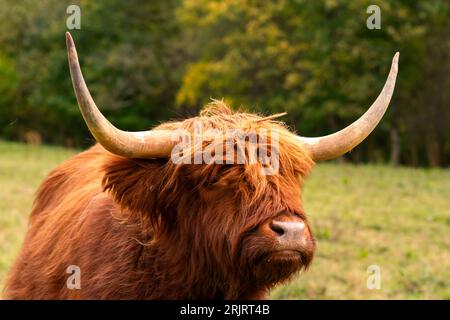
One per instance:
(397, 219)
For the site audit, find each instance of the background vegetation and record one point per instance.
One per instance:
(398, 219)
(151, 61)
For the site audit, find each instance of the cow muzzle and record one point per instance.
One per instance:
(290, 234)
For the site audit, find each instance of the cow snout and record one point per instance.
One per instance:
(289, 234)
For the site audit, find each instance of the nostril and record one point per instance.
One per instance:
(278, 229)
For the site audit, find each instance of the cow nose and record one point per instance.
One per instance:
(289, 233)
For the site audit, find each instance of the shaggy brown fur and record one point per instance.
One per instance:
(153, 229)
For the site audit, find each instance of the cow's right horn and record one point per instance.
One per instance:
(338, 143)
(143, 144)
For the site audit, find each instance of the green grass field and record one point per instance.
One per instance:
(398, 219)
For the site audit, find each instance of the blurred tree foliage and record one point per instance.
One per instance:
(151, 61)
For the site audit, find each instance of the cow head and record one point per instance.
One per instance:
(233, 222)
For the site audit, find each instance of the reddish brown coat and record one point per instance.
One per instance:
(151, 229)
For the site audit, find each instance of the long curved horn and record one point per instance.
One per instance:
(338, 143)
(143, 144)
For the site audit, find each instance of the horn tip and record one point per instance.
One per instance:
(69, 40)
(396, 57)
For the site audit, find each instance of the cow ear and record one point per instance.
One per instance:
(132, 182)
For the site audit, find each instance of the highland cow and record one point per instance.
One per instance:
(139, 225)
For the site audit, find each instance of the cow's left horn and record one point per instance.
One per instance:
(338, 143)
(144, 144)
